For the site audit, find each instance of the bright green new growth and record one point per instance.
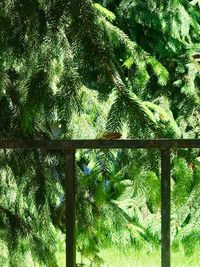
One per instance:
(73, 69)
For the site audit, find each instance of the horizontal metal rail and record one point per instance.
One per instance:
(165, 145)
(95, 144)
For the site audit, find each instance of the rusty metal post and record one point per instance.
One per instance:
(70, 198)
(165, 208)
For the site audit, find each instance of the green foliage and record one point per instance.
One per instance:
(74, 69)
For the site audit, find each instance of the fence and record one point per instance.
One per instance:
(70, 146)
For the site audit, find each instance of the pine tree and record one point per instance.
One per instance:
(58, 57)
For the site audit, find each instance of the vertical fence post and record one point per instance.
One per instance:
(165, 208)
(70, 198)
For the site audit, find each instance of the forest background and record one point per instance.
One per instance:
(72, 70)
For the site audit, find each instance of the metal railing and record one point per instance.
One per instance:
(70, 146)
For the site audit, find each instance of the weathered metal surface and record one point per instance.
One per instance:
(165, 208)
(95, 144)
(70, 198)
